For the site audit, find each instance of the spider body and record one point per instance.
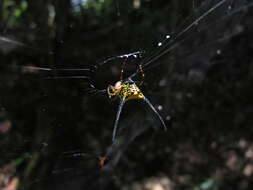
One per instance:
(125, 91)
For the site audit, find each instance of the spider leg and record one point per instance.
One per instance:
(154, 110)
(142, 73)
(122, 69)
(122, 101)
(68, 77)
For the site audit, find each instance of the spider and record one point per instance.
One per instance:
(124, 89)
(127, 90)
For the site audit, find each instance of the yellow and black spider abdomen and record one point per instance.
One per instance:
(130, 91)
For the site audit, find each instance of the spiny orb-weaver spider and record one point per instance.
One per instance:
(127, 90)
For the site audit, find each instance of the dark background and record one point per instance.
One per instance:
(53, 131)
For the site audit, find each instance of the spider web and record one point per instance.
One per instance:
(219, 21)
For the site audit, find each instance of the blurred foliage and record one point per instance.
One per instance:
(11, 11)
